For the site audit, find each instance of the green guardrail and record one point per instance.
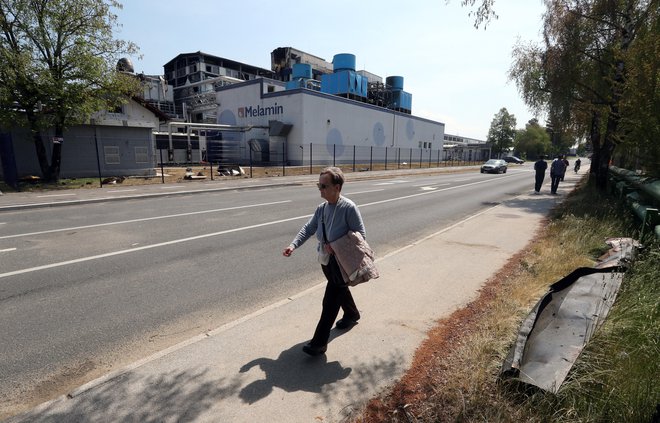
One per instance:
(641, 194)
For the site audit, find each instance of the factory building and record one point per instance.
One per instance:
(195, 77)
(304, 109)
(346, 116)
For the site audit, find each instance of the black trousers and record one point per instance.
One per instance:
(336, 296)
(555, 183)
(539, 181)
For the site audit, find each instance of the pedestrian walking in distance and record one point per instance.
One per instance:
(557, 170)
(578, 162)
(539, 167)
(566, 162)
(332, 219)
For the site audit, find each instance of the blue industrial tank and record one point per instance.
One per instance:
(302, 70)
(343, 61)
(394, 83)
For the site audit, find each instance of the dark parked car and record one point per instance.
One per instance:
(514, 159)
(494, 166)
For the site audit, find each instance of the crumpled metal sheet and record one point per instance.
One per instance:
(622, 251)
(555, 332)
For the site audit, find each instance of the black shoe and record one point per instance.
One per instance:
(345, 323)
(312, 350)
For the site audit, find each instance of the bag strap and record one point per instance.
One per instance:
(325, 237)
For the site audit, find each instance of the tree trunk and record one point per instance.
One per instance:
(56, 157)
(594, 137)
(42, 157)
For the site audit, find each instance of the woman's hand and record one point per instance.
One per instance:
(288, 251)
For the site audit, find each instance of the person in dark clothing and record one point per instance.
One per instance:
(578, 162)
(333, 219)
(566, 162)
(540, 166)
(557, 171)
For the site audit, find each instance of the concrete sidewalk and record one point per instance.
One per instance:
(253, 369)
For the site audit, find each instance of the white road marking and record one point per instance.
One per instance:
(121, 222)
(392, 182)
(432, 185)
(56, 195)
(364, 192)
(434, 192)
(195, 238)
(147, 247)
(7, 250)
(428, 188)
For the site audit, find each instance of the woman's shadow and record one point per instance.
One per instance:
(292, 371)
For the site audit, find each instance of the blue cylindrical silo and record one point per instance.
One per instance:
(395, 83)
(343, 61)
(302, 70)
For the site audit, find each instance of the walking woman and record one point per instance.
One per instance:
(333, 219)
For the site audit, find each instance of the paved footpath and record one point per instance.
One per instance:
(253, 369)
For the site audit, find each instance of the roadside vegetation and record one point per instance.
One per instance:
(454, 376)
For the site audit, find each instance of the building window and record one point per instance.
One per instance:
(141, 155)
(271, 89)
(111, 154)
(420, 144)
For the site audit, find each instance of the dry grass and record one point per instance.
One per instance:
(454, 375)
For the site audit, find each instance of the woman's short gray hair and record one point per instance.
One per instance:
(335, 173)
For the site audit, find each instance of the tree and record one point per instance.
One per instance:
(502, 131)
(580, 75)
(484, 13)
(57, 67)
(533, 141)
(640, 105)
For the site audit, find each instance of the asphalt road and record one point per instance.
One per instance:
(87, 288)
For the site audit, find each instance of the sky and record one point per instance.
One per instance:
(456, 74)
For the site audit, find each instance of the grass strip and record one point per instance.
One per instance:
(454, 375)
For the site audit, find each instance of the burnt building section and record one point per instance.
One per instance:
(195, 77)
(284, 59)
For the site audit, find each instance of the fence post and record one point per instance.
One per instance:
(398, 158)
(251, 162)
(162, 169)
(410, 160)
(334, 154)
(385, 157)
(284, 158)
(371, 157)
(353, 158)
(98, 159)
(310, 158)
